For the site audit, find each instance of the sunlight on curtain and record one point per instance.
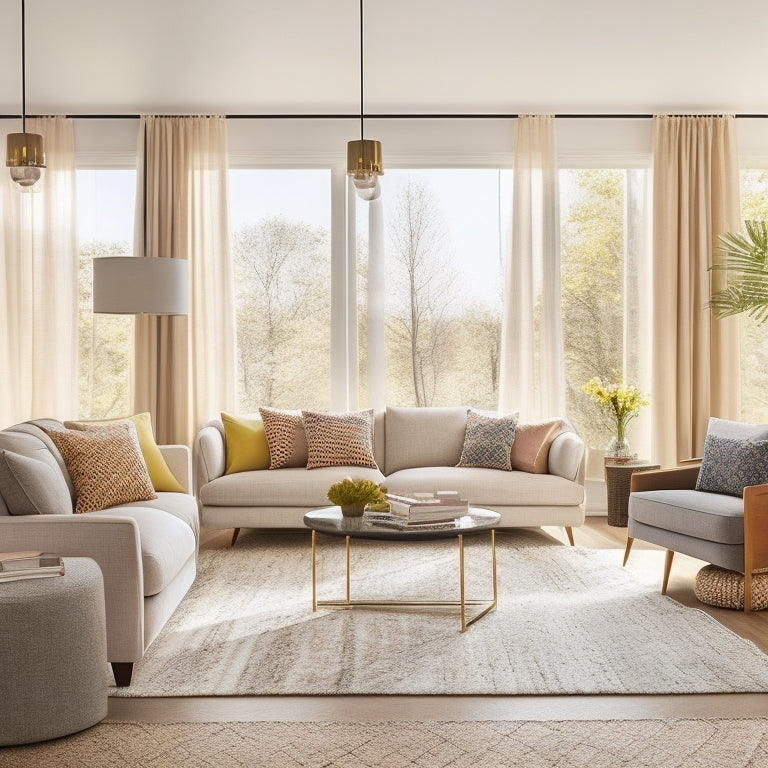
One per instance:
(185, 366)
(532, 379)
(695, 356)
(38, 292)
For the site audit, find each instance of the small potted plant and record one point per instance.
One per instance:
(352, 495)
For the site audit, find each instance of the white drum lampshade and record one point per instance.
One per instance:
(133, 285)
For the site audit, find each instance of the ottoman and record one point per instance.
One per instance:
(725, 589)
(53, 654)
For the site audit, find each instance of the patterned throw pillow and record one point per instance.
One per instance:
(339, 439)
(106, 467)
(728, 466)
(488, 441)
(285, 437)
(530, 451)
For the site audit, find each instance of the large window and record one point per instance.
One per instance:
(280, 223)
(105, 214)
(444, 237)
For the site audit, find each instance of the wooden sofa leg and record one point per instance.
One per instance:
(667, 568)
(747, 591)
(235, 534)
(569, 533)
(630, 540)
(122, 670)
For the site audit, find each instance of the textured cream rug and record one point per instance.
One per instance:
(580, 744)
(569, 621)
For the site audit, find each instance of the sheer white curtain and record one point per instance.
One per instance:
(695, 357)
(38, 285)
(532, 379)
(185, 366)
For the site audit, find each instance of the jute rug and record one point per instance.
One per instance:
(569, 621)
(580, 744)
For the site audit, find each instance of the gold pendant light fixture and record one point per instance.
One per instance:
(364, 156)
(24, 154)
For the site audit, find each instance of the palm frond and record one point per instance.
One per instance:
(744, 258)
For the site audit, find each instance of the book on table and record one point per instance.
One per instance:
(443, 506)
(29, 565)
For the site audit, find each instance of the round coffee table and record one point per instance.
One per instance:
(329, 520)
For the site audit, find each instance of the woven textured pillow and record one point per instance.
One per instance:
(339, 439)
(488, 441)
(285, 437)
(105, 465)
(530, 451)
(728, 466)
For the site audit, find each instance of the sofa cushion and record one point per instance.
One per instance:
(286, 438)
(159, 472)
(106, 466)
(709, 516)
(488, 487)
(339, 439)
(246, 444)
(530, 451)
(488, 441)
(167, 543)
(728, 466)
(424, 437)
(32, 487)
(290, 487)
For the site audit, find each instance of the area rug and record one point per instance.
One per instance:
(571, 744)
(569, 621)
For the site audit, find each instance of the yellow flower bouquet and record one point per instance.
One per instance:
(619, 402)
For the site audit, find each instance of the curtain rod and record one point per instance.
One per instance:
(399, 116)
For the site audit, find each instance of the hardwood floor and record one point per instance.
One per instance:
(596, 533)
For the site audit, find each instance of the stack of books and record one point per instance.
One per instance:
(29, 565)
(426, 508)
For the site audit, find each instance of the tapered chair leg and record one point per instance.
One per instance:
(569, 533)
(626, 551)
(235, 533)
(667, 569)
(747, 591)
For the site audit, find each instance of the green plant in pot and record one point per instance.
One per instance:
(744, 259)
(352, 495)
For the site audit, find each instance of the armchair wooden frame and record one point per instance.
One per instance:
(755, 520)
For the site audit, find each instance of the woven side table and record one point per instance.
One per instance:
(617, 480)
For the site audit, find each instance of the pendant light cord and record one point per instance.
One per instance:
(23, 72)
(362, 102)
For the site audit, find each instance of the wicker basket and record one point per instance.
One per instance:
(725, 589)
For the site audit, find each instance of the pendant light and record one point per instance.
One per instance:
(24, 155)
(364, 156)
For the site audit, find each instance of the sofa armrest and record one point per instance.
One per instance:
(209, 455)
(113, 542)
(677, 478)
(566, 457)
(179, 461)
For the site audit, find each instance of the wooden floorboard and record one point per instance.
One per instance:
(596, 534)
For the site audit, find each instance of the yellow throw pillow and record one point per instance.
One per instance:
(246, 443)
(162, 477)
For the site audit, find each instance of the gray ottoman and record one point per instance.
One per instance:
(53, 654)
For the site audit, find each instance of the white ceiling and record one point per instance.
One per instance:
(421, 56)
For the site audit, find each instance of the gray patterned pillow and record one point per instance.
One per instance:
(488, 441)
(728, 466)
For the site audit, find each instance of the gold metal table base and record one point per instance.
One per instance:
(462, 603)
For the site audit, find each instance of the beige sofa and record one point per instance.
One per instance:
(416, 449)
(147, 550)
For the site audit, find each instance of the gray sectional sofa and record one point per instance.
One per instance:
(415, 449)
(147, 550)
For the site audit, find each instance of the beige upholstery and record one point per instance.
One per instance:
(147, 551)
(416, 449)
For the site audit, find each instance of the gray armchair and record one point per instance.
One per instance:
(732, 532)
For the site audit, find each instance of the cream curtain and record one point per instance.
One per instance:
(695, 357)
(38, 285)
(184, 371)
(532, 379)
